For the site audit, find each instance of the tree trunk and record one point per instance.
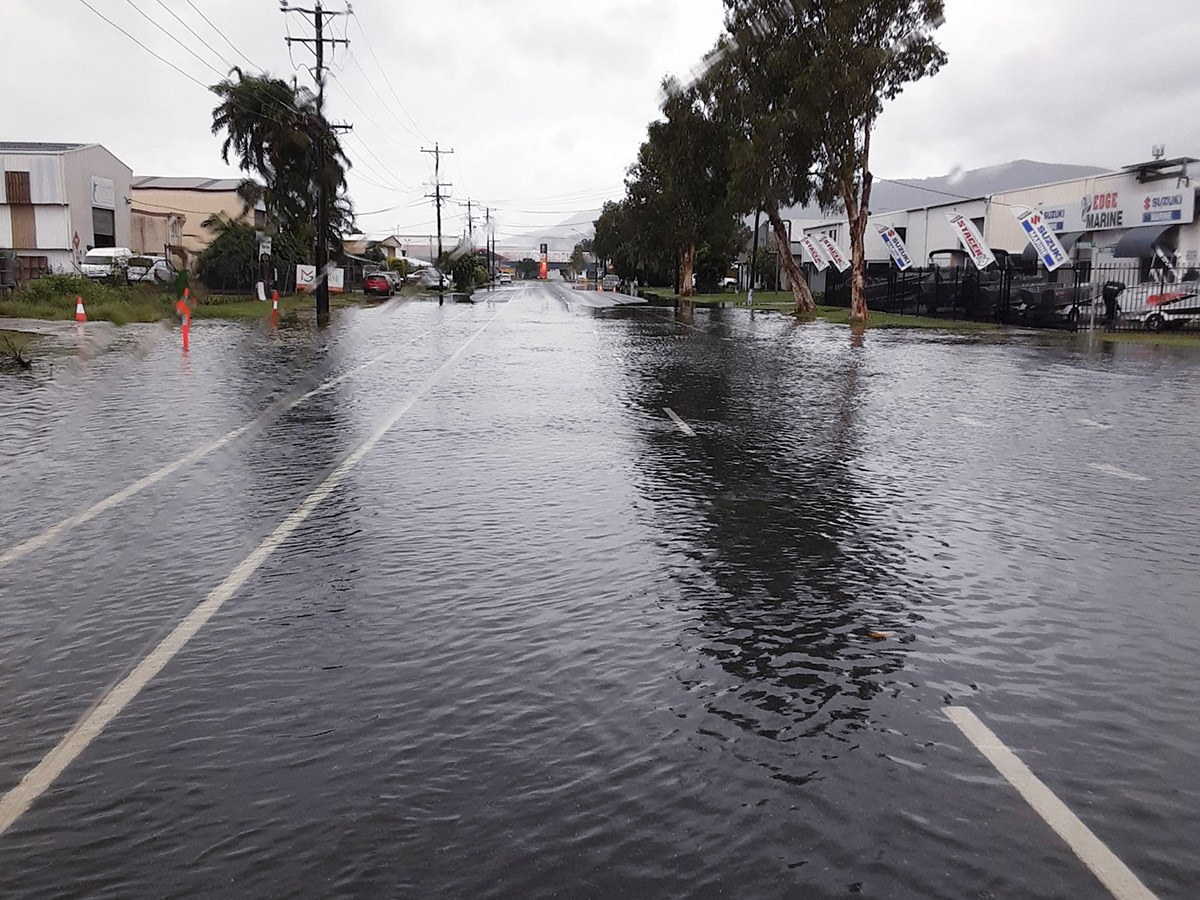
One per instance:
(800, 292)
(858, 214)
(688, 259)
(858, 269)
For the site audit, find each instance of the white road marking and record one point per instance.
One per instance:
(1104, 864)
(1092, 423)
(1117, 472)
(683, 426)
(113, 500)
(16, 802)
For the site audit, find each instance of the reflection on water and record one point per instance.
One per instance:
(542, 643)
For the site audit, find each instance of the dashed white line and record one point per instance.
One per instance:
(1117, 472)
(1092, 423)
(18, 800)
(1104, 864)
(683, 426)
(116, 499)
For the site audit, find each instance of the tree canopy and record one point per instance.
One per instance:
(271, 127)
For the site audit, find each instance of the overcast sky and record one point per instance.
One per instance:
(545, 101)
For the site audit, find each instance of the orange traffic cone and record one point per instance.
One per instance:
(80, 315)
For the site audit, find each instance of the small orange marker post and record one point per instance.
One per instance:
(185, 310)
(80, 315)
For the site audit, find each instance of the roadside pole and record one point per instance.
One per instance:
(754, 258)
(436, 196)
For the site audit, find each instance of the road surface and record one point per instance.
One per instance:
(531, 598)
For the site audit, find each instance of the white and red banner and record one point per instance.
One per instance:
(895, 245)
(1049, 248)
(814, 253)
(834, 252)
(972, 241)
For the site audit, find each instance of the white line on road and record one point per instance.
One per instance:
(1092, 423)
(1117, 472)
(683, 426)
(1104, 864)
(113, 500)
(17, 801)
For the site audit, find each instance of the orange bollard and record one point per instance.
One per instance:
(186, 312)
(80, 315)
(274, 301)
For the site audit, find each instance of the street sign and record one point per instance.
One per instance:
(75, 240)
(1048, 247)
(814, 253)
(895, 246)
(264, 246)
(972, 241)
(834, 252)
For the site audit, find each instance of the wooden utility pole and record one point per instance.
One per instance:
(318, 47)
(438, 153)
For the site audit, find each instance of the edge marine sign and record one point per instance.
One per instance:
(1106, 210)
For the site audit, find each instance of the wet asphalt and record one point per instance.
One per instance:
(539, 641)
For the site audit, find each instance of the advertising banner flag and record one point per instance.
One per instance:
(834, 252)
(814, 253)
(972, 241)
(1049, 248)
(306, 278)
(895, 245)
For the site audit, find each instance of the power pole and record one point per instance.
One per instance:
(438, 153)
(470, 226)
(487, 236)
(318, 46)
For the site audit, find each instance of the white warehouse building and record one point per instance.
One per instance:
(59, 200)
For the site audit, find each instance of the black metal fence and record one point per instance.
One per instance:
(1145, 297)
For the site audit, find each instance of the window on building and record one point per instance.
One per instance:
(16, 188)
(260, 219)
(901, 232)
(104, 227)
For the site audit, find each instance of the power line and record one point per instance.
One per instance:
(213, 49)
(202, 60)
(222, 34)
(388, 81)
(144, 47)
(384, 103)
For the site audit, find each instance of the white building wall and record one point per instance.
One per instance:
(51, 223)
(79, 167)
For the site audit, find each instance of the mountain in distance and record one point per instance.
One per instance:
(886, 195)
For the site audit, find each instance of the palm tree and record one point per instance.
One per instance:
(272, 127)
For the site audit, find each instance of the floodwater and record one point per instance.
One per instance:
(539, 642)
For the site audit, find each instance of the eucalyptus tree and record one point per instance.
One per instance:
(828, 67)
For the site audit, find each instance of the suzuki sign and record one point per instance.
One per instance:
(1106, 210)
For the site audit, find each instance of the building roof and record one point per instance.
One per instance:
(155, 182)
(38, 147)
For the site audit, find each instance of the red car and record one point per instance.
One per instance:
(378, 285)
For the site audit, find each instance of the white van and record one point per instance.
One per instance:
(100, 261)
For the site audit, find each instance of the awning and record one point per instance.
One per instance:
(1066, 238)
(1139, 243)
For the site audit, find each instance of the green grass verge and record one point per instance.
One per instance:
(783, 300)
(53, 297)
(1170, 339)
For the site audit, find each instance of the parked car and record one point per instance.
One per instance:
(505, 278)
(611, 282)
(429, 278)
(154, 269)
(102, 263)
(378, 284)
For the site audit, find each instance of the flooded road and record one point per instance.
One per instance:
(493, 623)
